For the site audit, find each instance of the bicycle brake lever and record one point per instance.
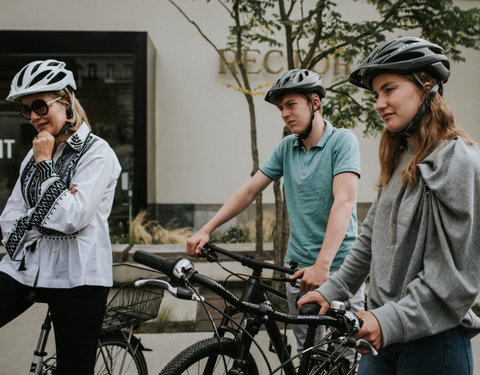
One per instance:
(208, 255)
(179, 292)
(161, 284)
(184, 293)
(293, 266)
(362, 344)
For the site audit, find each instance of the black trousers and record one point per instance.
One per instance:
(77, 315)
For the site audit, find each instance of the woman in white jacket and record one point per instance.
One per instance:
(420, 241)
(54, 224)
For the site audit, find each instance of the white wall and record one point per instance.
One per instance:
(203, 135)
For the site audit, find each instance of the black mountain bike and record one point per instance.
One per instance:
(232, 355)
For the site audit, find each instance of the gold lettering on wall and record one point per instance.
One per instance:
(337, 64)
(273, 62)
(248, 58)
(230, 59)
(266, 61)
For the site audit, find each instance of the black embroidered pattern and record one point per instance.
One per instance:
(30, 186)
(31, 180)
(16, 236)
(41, 211)
(67, 162)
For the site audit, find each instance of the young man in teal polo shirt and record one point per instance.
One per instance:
(321, 167)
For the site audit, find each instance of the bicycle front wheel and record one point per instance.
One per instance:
(207, 357)
(115, 356)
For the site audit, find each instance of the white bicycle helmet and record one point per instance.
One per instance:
(41, 76)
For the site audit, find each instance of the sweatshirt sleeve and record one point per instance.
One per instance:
(356, 267)
(441, 295)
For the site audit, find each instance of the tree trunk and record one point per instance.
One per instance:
(282, 227)
(259, 227)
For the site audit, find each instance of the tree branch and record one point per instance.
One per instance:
(208, 41)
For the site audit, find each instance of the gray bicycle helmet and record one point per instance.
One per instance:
(296, 80)
(402, 56)
(41, 76)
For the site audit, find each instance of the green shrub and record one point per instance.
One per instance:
(164, 323)
(234, 234)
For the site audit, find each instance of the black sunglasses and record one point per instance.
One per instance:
(39, 106)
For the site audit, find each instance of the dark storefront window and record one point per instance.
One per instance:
(109, 83)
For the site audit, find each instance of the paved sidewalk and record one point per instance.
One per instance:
(18, 340)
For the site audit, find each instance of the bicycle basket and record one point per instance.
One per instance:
(131, 306)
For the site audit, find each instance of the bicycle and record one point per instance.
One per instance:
(119, 351)
(210, 356)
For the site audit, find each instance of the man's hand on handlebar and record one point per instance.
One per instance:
(312, 277)
(314, 297)
(196, 242)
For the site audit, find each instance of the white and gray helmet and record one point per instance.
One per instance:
(296, 80)
(41, 76)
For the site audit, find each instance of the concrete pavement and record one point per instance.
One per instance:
(18, 340)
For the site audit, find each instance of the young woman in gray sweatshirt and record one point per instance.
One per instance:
(420, 242)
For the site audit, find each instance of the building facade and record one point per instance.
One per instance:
(161, 95)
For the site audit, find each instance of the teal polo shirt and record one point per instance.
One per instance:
(308, 181)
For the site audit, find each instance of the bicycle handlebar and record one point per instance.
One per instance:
(183, 269)
(245, 260)
(345, 322)
(156, 262)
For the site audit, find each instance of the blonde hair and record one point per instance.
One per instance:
(79, 114)
(437, 125)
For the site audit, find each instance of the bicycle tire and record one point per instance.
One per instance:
(192, 359)
(111, 353)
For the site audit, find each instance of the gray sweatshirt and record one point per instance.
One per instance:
(421, 246)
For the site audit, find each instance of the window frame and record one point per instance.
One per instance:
(75, 43)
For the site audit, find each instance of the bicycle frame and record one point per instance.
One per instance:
(254, 292)
(40, 353)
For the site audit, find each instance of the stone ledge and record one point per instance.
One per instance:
(124, 253)
(120, 252)
(125, 270)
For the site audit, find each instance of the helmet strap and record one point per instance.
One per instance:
(413, 125)
(308, 130)
(69, 114)
(64, 129)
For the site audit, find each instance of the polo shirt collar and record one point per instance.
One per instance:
(78, 138)
(325, 137)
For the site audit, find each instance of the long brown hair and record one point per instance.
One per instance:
(438, 124)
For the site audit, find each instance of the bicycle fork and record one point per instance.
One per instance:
(40, 353)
